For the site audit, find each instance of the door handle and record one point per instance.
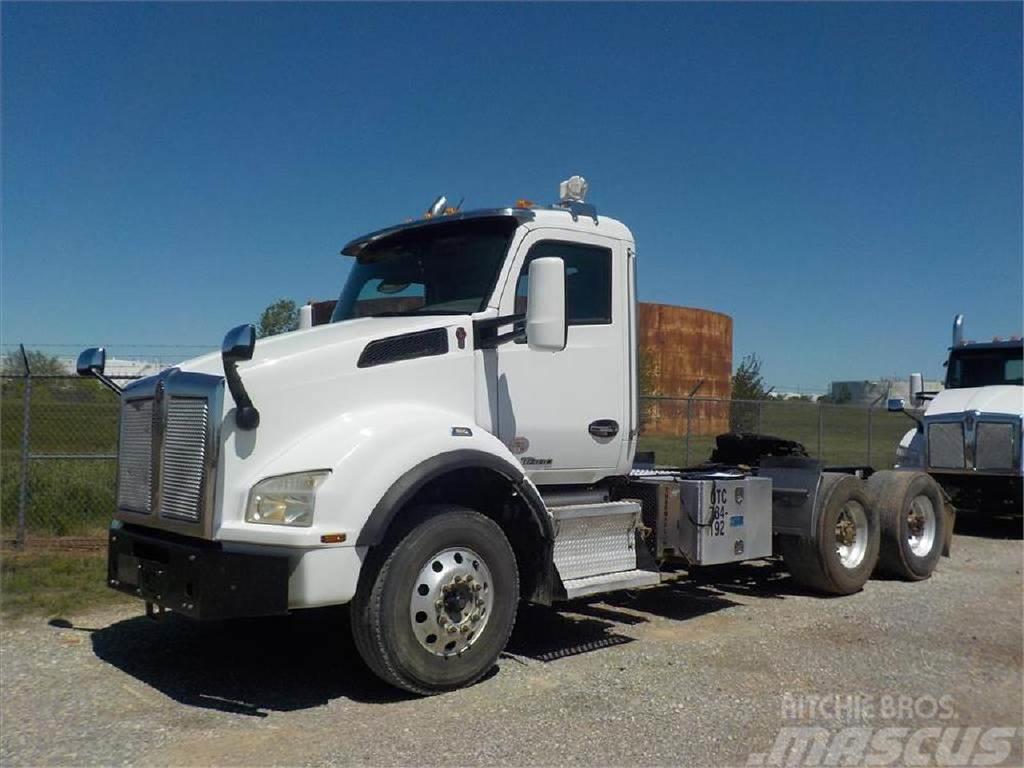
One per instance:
(604, 428)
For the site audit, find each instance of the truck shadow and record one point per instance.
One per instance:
(248, 666)
(987, 525)
(257, 666)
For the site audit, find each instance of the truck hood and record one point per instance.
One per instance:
(1008, 399)
(273, 349)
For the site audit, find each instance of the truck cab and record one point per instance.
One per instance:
(969, 434)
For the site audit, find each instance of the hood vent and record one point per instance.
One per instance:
(407, 346)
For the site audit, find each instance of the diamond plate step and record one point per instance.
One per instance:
(595, 547)
(609, 582)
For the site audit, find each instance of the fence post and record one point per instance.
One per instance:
(871, 412)
(689, 420)
(821, 407)
(26, 421)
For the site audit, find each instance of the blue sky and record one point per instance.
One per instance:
(840, 179)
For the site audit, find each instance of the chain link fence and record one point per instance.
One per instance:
(681, 431)
(58, 456)
(59, 444)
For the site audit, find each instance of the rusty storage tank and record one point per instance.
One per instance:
(680, 347)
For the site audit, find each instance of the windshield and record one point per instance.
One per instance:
(984, 367)
(441, 269)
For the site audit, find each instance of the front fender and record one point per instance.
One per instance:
(910, 451)
(369, 452)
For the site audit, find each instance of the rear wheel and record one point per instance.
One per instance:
(843, 551)
(914, 524)
(438, 609)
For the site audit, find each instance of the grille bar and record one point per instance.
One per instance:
(182, 469)
(994, 445)
(946, 445)
(135, 457)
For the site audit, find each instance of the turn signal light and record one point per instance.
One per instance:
(332, 538)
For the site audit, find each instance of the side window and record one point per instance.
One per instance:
(588, 280)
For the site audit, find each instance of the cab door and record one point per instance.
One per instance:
(566, 414)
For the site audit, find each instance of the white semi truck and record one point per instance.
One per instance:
(969, 436)
(458, 438)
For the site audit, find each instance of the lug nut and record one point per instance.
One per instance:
(475, 616)
(457, 580)
(477, 587)
(439, 604)
(452, 630)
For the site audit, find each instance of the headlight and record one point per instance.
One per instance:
(285, 499)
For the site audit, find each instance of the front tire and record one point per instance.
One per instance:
(840, 557)
(911, 511)
(438, 609)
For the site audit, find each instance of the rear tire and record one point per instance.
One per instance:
(843, 551)
(436, 610)
(914, 524)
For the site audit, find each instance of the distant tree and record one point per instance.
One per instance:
(40, 363)
(747, 384)
(280, 317)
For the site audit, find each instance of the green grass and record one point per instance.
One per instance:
(54, 584)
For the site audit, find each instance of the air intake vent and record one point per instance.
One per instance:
(405, 347)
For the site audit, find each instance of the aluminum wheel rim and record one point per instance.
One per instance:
(452, 601)
(851, 534)
(921, 525)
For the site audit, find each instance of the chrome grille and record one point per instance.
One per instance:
(182, 470)
(994, 445)
(135, 457)
(946, 445)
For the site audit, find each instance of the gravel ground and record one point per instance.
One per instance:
(698, 673)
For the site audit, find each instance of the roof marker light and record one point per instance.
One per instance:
(437, 207)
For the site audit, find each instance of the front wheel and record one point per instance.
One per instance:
(437, 611)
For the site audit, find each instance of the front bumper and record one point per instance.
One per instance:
(196, 578)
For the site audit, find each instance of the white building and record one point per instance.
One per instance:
(868, 391)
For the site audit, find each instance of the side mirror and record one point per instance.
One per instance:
(305, 317)
(545, 305)
(895, 405)
(916, 387)
(238, 344)
(92, 361)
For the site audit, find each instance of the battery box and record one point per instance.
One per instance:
(710, 519)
